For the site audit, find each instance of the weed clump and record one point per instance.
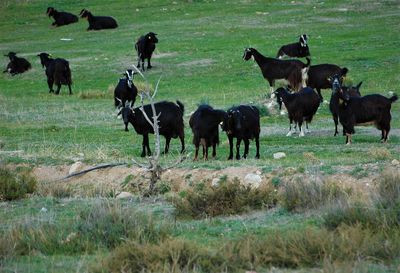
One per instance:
(382, 213)
(298, 194)
(229, 197)
(15, 185)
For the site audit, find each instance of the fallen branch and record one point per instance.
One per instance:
(101, 166)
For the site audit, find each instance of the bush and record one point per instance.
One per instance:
(300, 194)
(382, 214)
(306, 247)
(14, 185)
(228, 198)
(102, 225)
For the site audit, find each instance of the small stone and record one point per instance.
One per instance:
(75, 167)
(258, 172)
(43, 209)
(279, 155)
(252, 179)
(395, 162)
(124, 195)
(215, 182)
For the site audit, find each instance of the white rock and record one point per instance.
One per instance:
(279, 155)
(252, 179)
(77, 166)
(43, 209)
(215, 182)
(395, 162)
(258, 172)
(124, 195)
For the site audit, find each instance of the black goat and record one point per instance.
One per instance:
(301, 106)
(370, 109)
(204, 124)
(318, 76)
(170, 123)
(61, 18)
(145, 47)
(16, 65)
(243, 123)
(57, 71)
(98, 22)
(125, 91)
(273, 69)
(298, 50)
(353, 92)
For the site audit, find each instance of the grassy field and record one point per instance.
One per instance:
(199, 57)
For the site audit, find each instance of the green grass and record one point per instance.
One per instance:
(199, 57)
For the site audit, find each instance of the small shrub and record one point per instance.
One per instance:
(163, 187)
(389, 188)
(54, 189)
(15, 185)
(300, 194)
(230, 197)
(379, 153)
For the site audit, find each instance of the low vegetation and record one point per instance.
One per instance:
(15, 184)
(226, 198)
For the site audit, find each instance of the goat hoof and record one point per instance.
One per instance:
(230, 158)
(257, 156)
(126, 130)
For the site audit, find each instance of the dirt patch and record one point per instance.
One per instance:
(159, 55)
(201, 62)
(123, 178)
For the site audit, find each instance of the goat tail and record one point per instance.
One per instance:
(68, 73)
(181, 106)
(295, 79)
(393, 98)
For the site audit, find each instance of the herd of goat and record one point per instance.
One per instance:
(241, 122)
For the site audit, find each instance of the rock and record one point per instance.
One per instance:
(252, 179)
(215, 182)
(124, 195)
(279, 155)
(258, 172)
(43, 209)
(395, 162)
(77, 166)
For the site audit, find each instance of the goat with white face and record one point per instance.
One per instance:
(294, 71)
(370, 109)
(125, 91)
(298, 50)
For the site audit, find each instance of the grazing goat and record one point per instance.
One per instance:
(204, 124)
(273, 69)
(318, 76)
(170, 123)
(98, 22)
(366, 110)
(243, 123)
(125, 91)
(16, 65)
(301, 106)
(145, 47)
(298, 50)
(353, 92)
(61, 18)
(57, 71)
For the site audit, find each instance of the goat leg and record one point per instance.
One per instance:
(238, 148)
(246, 148)
(230, 138)
(257, 147)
